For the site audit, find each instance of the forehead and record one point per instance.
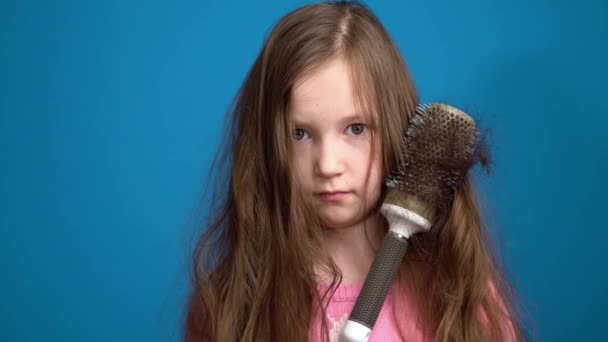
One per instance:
(324, 92)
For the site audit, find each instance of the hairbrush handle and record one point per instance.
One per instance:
(375, 289)
(402, 224)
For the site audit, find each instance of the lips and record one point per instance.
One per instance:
(332, 195)
(323, 193)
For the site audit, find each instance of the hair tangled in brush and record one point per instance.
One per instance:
(440, 146)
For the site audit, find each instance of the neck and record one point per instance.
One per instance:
(353, 248)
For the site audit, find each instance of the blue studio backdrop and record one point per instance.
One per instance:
(111, 111)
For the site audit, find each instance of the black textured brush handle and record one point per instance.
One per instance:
(379, 279)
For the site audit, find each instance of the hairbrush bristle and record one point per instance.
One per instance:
(439, 147)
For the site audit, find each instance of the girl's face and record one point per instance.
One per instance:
(332, 147)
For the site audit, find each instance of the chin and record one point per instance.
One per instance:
(339, 222)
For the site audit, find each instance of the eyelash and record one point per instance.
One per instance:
(363, 126)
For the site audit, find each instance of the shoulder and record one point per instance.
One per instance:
(505, 317)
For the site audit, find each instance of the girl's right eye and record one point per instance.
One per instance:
(299, 134)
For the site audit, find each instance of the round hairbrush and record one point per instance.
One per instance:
(440, 145)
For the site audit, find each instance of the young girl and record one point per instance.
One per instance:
(316, 128)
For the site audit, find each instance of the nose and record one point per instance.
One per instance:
(329, 161)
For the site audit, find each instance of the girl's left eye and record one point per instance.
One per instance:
(357, 129)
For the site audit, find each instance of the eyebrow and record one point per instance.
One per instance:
(344, 120)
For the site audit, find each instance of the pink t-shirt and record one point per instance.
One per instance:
(385, 329)
(341, 305)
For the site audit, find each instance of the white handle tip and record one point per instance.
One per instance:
(355, 332)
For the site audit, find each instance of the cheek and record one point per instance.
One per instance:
(301, 164)
(376, 179)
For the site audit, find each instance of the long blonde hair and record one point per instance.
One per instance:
(253, 267)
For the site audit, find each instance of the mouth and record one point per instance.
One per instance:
(332, 195)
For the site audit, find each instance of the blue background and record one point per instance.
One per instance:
(111, 111)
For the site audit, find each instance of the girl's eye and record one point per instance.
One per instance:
(299, 134)
(357, 129)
